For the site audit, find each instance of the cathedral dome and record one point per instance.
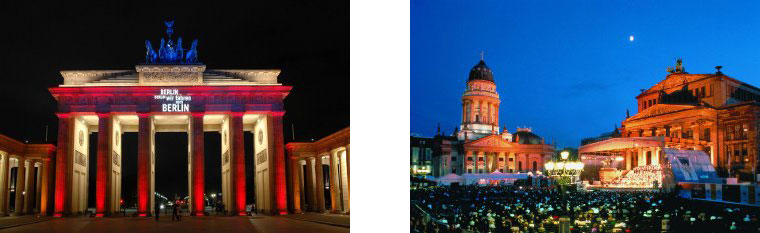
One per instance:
(481, 72)
(525, 137)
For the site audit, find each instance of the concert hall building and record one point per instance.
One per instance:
(711, 112)
(478, 146)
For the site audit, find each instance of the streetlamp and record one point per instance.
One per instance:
(564, 172)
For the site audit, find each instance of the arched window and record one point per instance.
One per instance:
(534, 166)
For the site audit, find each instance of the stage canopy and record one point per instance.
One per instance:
(617, 144)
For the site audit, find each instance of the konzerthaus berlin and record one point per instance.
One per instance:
(714, 113)
(478, 147)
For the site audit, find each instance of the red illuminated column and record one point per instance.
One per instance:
(143, 164)
(101, 176)
(63, 152)
(197, 177)
(281, 196)
(238, 163)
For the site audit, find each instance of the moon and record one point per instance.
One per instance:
(630, 38)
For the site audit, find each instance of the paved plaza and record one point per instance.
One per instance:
(304, 223)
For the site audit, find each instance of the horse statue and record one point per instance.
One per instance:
(192, 53)
(162, 50)
(150, 54)
(179, 50)
(169, 52)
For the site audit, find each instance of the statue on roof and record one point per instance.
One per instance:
(192, 54)
(150, 55)
(679, 69)
(170, 52)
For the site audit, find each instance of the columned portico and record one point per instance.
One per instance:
(307, 179)
(28, 188)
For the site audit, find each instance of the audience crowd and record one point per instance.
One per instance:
(464, 209)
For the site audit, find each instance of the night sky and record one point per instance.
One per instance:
(568, 69)
(308, 41)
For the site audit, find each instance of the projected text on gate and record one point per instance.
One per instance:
(172, 101)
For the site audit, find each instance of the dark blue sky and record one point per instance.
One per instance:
(567, 69)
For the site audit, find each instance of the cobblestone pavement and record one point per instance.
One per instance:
(188, 224)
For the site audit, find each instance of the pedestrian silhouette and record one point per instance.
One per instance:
(175, 212)
(157, 211)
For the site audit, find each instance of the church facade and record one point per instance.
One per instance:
(713, 112)
(478, 145)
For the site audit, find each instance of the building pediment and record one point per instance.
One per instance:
(675, 80)
(490, 141)
(660, 109)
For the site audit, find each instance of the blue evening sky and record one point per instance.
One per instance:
(567, 68)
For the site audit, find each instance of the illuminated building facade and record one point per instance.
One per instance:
(25, 171)
(478, 146)
(170, 92)
(320, 174)
(714, 113)
(421, 155)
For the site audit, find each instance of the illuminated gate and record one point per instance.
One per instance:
(165, 95)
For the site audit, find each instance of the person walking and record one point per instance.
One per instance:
(175, 212)
(157, 211)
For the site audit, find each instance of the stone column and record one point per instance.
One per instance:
(335, 181)
(29, 196)
(485, 163)
(348, 167)
(20, 186)
(295, 183)
(278, 142)
(238, 164)
(63, 152)
(4, 190)
(143, 164)
(9, 174)
(320, 190)
(467, 155)
(517, 170)
(44, 189)
(198, 162)
(496, 122)
(309, 185)
(102, 182)
(38, 186)
(464, 112)
(627, 159)
(333, 184)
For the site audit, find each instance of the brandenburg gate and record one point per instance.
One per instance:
(170, 92)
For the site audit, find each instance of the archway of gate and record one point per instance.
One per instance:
(109, 159)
